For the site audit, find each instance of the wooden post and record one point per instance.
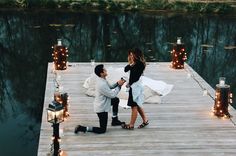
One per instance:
(56, 139)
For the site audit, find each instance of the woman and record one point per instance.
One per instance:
(136, 67)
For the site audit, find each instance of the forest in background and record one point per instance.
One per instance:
(195, 6)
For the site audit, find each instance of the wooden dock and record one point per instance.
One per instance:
(182, 124)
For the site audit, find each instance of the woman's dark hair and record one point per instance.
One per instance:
(99, 69)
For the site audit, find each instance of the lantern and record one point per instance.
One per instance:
(92, 62)
(55, 113)
(179, 55)
(63, 99)
(60, 54)
(223, 97)
(55, 116)
(222, 81)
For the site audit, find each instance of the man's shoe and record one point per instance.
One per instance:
(80, 128)
(116, 122)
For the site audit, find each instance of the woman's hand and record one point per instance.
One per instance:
(129, 59)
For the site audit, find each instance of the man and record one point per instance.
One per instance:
(105, 97)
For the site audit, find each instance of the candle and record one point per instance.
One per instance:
(178, 40)
(188, 75)
(59, 43)
(222, 81)
(205, 92)
(92, 62)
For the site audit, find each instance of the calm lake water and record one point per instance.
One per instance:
(25, 49)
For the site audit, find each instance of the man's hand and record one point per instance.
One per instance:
(121, 82)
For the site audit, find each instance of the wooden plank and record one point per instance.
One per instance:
(182, 124)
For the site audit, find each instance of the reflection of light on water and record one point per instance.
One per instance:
(60, 25)
(170, 43)
(55, 25)
(207, 45)
(230, 47)
(148, 43)
(37, 26)
(69, 25)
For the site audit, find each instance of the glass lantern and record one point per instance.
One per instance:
(55, 113)
(92, 61)
(60, 55)
(178, 40)
(222, 81)
(59, 42)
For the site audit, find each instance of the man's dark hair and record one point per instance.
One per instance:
(99, 69)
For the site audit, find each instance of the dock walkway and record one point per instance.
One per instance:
(182, 124)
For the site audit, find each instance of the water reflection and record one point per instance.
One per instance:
(25, 48)
(23, 63)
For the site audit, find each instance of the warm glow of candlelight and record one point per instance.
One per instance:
(178, 56)
(60, 55)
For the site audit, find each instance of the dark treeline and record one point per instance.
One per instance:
(117, 5)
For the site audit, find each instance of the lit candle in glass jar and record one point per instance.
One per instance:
(59, 42)
(178, 40)
(222, 81)
(92, 62)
